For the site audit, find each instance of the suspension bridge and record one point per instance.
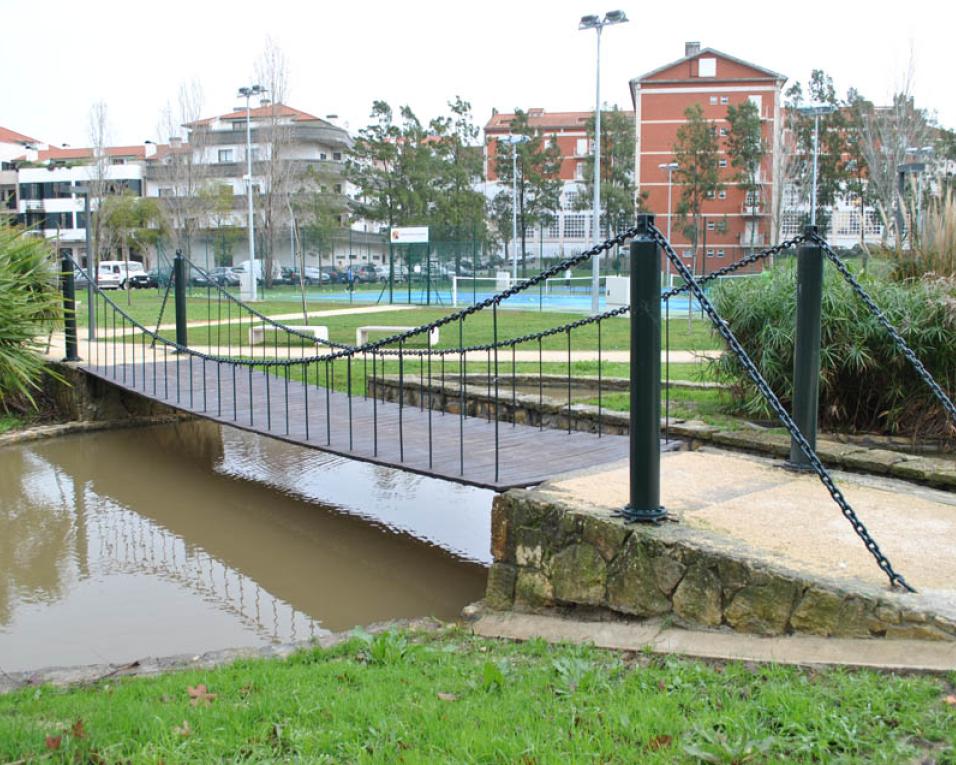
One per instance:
(330, 395)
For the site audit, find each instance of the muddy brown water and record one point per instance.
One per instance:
(182, 539)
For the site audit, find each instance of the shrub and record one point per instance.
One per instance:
(933, 250)
(866, 383)
(29, 307)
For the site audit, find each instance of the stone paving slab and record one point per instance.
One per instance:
(890, 655)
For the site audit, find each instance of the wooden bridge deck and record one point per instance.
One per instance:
(459, 449)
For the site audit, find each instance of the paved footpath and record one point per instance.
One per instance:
(653, 636)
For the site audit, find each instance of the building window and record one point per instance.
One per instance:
(722, 163)
(710, 253)
(165, 192)
(724, 132)
(337, 156)
(323, 155)
(711, 226)
(225, 155)
(579, 171)
(721, 195)
(721, 254)
(706, 67)
(713, 100)
(239, 125)
(570, 199)
(575, 226)
(711, 195)
(553, 230)
(724, 100)
(581, 148)
(338, 188)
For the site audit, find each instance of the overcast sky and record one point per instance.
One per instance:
(60, 57)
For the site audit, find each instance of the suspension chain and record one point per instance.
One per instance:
(908, 352)
(826, 479)
(738, 264)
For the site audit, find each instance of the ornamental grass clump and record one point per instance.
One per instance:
(866, 384)
(29, 309)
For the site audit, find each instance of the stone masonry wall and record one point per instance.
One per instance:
(548, 556)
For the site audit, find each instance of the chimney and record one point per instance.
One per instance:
(691, 48)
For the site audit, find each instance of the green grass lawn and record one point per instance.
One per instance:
(450, 697)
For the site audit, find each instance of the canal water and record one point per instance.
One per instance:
(186, 538)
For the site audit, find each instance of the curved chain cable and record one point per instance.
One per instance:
(826, 479)
(908, 352)
(738, 264)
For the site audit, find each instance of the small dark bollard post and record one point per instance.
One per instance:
(179, 277)
(806, 354)
(645, 426)
(69, 309)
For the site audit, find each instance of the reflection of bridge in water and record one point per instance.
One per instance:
(128, 543)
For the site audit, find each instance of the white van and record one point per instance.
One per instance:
(245, 266)
(113, 274)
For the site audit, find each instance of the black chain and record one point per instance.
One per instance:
(784, 417)
(738, 264)
(908, 352)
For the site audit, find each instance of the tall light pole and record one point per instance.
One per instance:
(514, 140)
(816, 112)
(248, 92)
(597, 24)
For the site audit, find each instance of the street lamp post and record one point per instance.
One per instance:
(816, 112)
(248, 92)
(597, 24)
(514, 140)
(922, 153)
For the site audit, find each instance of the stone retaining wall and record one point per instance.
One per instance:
(548, 555)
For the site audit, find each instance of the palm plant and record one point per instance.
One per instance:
(29, 307)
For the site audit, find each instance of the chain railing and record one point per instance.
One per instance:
(786, 420)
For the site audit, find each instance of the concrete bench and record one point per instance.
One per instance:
(257, 333)
(361, 333)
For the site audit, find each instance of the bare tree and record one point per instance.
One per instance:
(274, 165)
(885, 135)
(182, 169)
(98, 183)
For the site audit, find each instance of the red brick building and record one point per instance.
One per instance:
(714, 80)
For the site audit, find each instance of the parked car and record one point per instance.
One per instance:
(366, 273)
(132, 272)
(312, 276)
(108, 276)
(224, 276)
(334, 274)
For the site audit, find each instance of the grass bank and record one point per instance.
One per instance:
(450, 697)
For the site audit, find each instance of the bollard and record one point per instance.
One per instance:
(179, 277)
(806, 352)
(69, 309)
(645, 419)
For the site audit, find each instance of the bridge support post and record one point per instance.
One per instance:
(179, 278)
(645, 425)
(69, 308)
(806, 353)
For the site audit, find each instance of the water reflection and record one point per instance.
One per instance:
(186, 538)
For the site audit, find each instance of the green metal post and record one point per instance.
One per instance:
(645, 425)
(179, 275)
(806, 354)
(69, 309)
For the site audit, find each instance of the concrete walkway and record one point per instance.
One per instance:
(893, 655)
